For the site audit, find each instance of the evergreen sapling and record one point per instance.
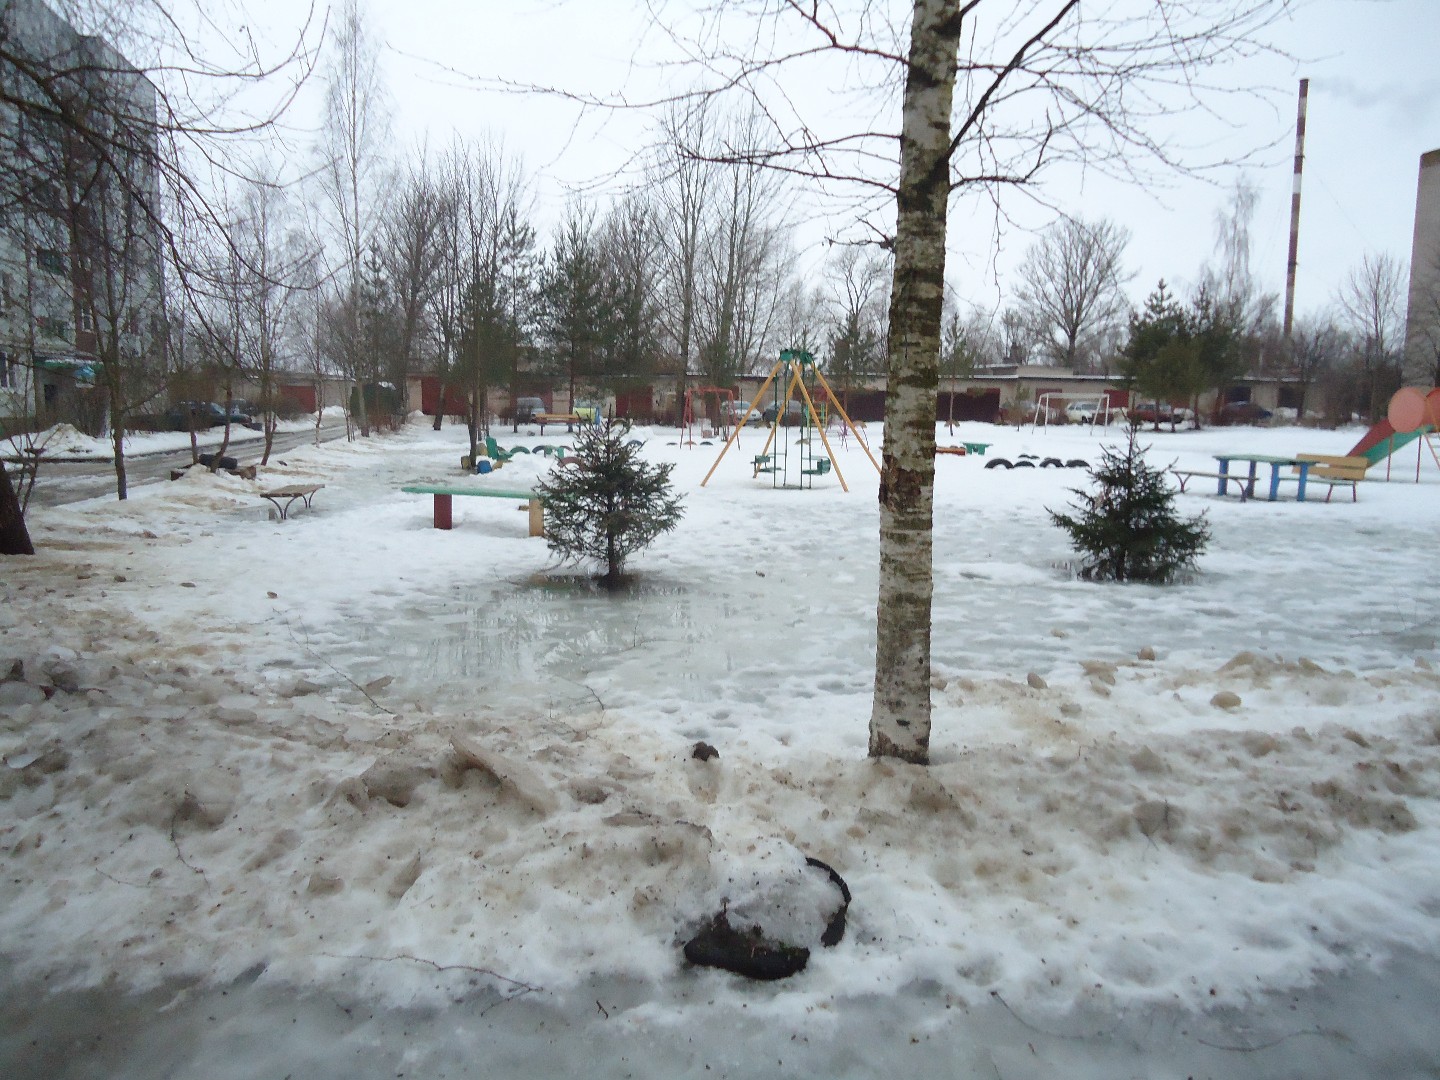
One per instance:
(610, 504)
(1127, 529)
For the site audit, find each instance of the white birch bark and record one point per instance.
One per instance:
(900, 715)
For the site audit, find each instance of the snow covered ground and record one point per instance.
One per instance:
(240, 779)
(65, 443)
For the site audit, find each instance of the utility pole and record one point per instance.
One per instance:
(1295, 215)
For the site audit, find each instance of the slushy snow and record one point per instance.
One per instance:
(352, 754)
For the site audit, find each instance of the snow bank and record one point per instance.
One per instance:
(352, 751)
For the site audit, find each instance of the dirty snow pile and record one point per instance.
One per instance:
(64, 442)
(59, 441)
(350, 750)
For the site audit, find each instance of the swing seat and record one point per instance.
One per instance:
(822, 466)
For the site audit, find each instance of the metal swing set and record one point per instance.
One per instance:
(802, 381)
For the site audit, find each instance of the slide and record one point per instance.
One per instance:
(1382, 440)
(1413, 412)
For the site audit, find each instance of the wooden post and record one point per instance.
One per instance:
(442, 511)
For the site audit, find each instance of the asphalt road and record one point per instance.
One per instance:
(68, 482)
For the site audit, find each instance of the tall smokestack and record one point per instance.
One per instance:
(1295, 213)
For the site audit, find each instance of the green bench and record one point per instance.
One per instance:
(976, 447)
(444, 502)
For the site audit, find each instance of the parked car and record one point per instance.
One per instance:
(194, 416)
(794, 413)
(242, 415)
(1153, 412)
(732, 412)
(526, 408)
(1243, 412)
(1081, 412)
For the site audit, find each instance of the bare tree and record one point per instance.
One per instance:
(573, 301)
(632, 261)
(1229, 291)
(117, 116)
(683, 191)
(1372, 299)
(1317, 346)
(858, 278)
(1039, 82)
(351, 178)
(966, 343)
(411, 252)
(741, 265)
(1070, 290)
(804, 316)
(485, 294)
(114, 250)
(274, 256)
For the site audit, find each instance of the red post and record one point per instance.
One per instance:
(442, 511)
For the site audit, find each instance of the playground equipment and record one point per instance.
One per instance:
(1105, 408)
(802, 382)
(723, 401)
(1413, 416)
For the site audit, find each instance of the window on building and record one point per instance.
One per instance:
(87, 321)
(56, 328)
(50, 260)
(9, 375)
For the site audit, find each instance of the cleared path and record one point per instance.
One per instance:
(70, 482)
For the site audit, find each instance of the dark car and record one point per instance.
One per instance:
(241, 414)
(1243, 412)
(1153, 413)
(794, 412)
(194, 416)
(526, 409)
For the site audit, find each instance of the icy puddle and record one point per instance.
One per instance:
(562, 641)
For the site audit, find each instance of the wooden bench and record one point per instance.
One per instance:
(1244, 482)
(1335, 471)
(444, 503)
(284, 497)
(569, 419)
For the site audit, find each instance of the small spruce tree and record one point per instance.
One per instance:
(1128, 529)
(610, 504)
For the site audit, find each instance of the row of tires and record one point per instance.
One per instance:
(1027, 461)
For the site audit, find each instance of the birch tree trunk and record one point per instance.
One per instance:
(900, 715)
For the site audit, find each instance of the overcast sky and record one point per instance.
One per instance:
(1374, 108)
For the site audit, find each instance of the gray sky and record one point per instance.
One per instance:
(1374, 108)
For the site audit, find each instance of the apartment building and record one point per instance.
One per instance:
(81, 279)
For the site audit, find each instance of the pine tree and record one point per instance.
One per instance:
(1128, 530)
(609, 505)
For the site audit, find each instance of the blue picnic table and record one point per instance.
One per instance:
(1247, 481)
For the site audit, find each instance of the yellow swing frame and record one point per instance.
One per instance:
(792, 362)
